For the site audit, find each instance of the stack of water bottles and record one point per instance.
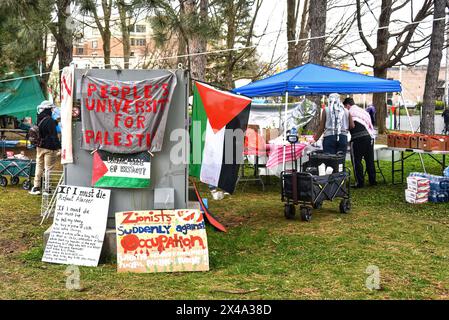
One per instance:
(418, 189)
(439, 185)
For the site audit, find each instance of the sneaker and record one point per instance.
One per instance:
(47, 192)
(35, 191)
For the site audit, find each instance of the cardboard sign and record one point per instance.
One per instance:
(121, 170)
(79, 226)
(125, 116)
(161, 241)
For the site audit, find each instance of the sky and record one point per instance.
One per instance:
(273, 12)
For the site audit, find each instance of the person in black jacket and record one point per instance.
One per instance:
(362, 143)
(47, 150)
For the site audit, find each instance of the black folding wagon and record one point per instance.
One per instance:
(309, 190)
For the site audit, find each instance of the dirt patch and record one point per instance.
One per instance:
(8, 246)
(229, 219)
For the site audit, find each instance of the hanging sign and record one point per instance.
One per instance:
(121, 170)
(125, 116)
(67, 79)
(79, 226)
(161, 241)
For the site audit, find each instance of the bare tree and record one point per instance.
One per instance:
(317, 25)
(405, 44)
(433, 68)
(103, 23)
(239, 25)
(297, 49)
(123, 9)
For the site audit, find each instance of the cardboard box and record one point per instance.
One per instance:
(391, 140)
(402, 141)
(418, 182)
(420, 195)
(432, 143)
(411, 197)
(414, 140)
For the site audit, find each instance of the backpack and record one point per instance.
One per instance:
(34, 136)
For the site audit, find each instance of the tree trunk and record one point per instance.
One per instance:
(379, 101)
(64, 36)
(304, 31)
(182, 41)
(292, 19)
(380, 62)
(317, 22)
(317, 13)
(124, 26)
(107, 48)
(230, 42)
(433, 68)
(197, 41)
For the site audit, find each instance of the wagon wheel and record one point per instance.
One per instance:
(317, 205)
(14, 180)
(306, 214)
(345, 206)
(3, 181)
(26, 185)
(289, 211)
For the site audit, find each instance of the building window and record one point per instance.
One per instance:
(94, 44)
(141, 28)
(138, 28)
(138, 42)
(79, 51)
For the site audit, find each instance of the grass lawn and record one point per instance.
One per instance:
(263, 256)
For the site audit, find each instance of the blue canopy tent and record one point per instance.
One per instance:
(312, 79)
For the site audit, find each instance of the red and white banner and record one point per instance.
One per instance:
(67, 80)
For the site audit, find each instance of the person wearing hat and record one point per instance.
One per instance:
(47, 150)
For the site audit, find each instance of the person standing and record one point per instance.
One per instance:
(335, 124)
(47, 150)
(445, 116)
(362, 143)
(372, 112)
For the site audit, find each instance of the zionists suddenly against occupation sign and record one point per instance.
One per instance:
(161, 241)
(125, 116)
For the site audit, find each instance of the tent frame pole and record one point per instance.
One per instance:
(411, 128)
(285, 131)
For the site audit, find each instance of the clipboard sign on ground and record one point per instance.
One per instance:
(79, 226)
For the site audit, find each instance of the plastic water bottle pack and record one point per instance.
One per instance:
(439, 186)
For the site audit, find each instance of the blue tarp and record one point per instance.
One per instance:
(312, 79)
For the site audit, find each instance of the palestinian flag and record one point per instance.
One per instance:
(219, 122)
(121, 170)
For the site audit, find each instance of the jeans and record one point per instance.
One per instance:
(331, 145)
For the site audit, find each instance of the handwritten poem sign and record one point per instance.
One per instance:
(79, 226)
(161, 241)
